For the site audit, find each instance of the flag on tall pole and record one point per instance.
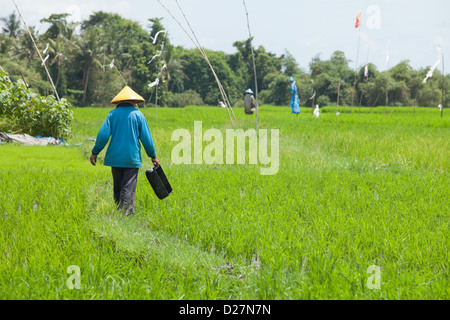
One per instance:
(388, 53)
(387, 70)
(358, 19)
(436, 64)
(357, 25)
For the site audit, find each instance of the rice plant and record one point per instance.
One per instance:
(354, 193)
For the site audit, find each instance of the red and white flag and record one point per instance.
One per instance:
(358, 19)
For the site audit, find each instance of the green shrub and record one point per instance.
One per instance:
(323, 101)
(30, 113)
(186, 98)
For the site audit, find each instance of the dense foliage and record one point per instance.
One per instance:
(92, 60)
(28, 112)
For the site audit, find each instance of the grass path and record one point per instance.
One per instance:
(135, 237)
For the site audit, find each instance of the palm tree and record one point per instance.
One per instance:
(6, 43)
(67, 30)
(24, 46)
(11, 25)
(88, 52)
(56, 49)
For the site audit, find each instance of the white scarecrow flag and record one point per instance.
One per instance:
(162, 69)
(154, 83)
(157, 55)
(388, 53)
(438, 61)
(366, 72)
(45, 59)
(316, 111)
(45, 50)
(156, 36)
(111, 65)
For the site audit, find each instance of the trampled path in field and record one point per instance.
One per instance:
(137, 238)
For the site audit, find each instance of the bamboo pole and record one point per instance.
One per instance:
(360, 98)
(156, 102)
(356, 67)
(364, 81)
(443, 87)
(254, 66)
(37, 49)
(222, 92)
(314, 97)
(337, 103)
(387, 72)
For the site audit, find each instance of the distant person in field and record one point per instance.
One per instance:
(295, 100)
(127, 128)
(249, 102)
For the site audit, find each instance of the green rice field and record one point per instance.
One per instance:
(366, 190)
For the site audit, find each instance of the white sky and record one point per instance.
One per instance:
(414, 28)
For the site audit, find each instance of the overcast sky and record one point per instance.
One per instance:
(413, 28)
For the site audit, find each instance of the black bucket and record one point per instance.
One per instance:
(159, 182)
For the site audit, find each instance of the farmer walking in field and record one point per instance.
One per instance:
(127, 128)
(249, 102)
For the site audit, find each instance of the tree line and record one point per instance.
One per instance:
(91, 61)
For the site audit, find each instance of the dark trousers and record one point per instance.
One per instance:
(125, 180)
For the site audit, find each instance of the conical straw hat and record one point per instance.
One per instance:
(127, 94)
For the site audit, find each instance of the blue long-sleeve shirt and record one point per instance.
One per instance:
(126, 126)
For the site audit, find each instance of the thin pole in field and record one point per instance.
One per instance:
(356, 66)
(314, 97)
(113, 65)
(360, 99)
(254, 66)
(197, 44)
(415, 103)
(120, 74)
(443, 87)
(156, 101)
(222, 90)
(364, 80)
(339, 89)
(387, 71)
(386, 101)
(37, 49)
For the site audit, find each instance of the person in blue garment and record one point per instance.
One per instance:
(127, 128)
(295, 100)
